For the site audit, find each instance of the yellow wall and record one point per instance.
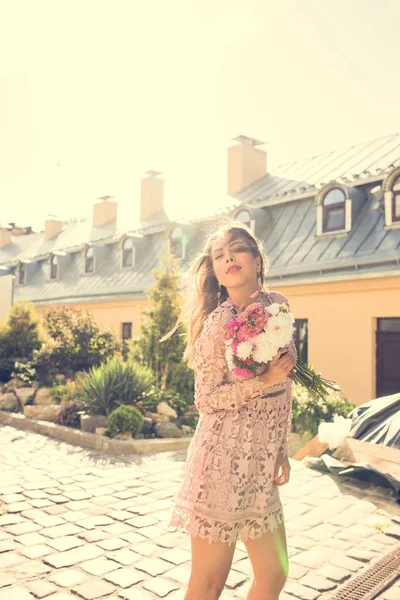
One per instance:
(345, 313)
(112, 314)
(6, 285)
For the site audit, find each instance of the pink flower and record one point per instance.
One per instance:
(242, 373)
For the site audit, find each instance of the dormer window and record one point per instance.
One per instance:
(21, 274)
(391, 194)
(128, 253)
(89, 260)
(177, 243)
(334, 203)
(396, 200)
(53, 267)
(244, 216)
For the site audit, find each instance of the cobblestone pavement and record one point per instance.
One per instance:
(80, 524)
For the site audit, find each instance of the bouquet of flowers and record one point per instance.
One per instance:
(254, 337)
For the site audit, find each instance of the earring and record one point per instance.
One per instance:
(259, 281)
(219, 294)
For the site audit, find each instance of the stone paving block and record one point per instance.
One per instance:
(153, 566)
(74, 516)
(12, 498)
(393, 531)
(346, 562)
(316, 582)
(10, 559)
(6, 579)
(40, 503)
(136, 594)
(338, 544)
(50, 521)
(95, 521)
(33, 513)
(36, 551)
(21, 528)
(112, 544)
(67, 542)
(175, 556)
(29, 569)
(7, 545)
(315, 557)
(134, 537)
(120, 515)
(68, 577)
(125, 577)
(152, 532)
(72, 557)
(297, 571)
(361, 531)
(124, 557)
(160, 587)
(301, 592)
(322, 532)
(335, 573)
(10, 519)
(301, 542)
(41, 589)
(61, 530)
(98, 566)
(360, 554)
(31, 539)
(16, 593)
(139, 522)
(392, 593)
(93, 535)
(94, 589)
(118, 529)
(61, 596)
(234, 579)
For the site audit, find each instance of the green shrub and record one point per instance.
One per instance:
(114, 383)
(307, 413)
(124, 419)
(7, 366)
(76, 343)
(23, 332)
(172, 398)
(70, 415)
(67, 392)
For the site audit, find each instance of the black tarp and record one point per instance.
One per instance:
(376, 422)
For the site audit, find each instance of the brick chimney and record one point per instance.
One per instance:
(52, 227)
(5, 236)
(246, 163)
(104, 211)
(152, 197)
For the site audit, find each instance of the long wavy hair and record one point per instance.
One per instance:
(200, 286)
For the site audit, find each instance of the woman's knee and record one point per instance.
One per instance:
(199, 589)
(270, 584)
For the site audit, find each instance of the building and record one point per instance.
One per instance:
(330, 226)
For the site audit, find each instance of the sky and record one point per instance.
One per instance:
(93, 93)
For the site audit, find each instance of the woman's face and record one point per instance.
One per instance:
(233, 262)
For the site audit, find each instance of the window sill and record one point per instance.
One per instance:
(329, 234)
(394, 225)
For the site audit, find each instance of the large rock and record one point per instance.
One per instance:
(43, 397)
(147, 425)
(48, 412)
(168, 430)
(157, 418)
(165, 409)
(91, 422)
(187, 430)
(9, 401)
(14, 384)
(25, 395)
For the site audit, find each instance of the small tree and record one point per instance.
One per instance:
(76, 342)
(164, 358)
(23, 332)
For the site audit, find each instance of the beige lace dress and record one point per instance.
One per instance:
(227, 487)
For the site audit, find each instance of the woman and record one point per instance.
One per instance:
(237, 457)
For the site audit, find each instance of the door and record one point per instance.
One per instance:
(388, 357)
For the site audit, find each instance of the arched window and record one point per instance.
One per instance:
(244, 217)
(128, 253)
(396, 200)
(53, 267)
(21, 274)
(89, 260)
(333, 205)
(176, 242)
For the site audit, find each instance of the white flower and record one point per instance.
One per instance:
(229, 355)
(279, 330)
(244, 350)
(265, 350)
(273, 308)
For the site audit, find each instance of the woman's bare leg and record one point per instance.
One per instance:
(268, 556)
(211, 564)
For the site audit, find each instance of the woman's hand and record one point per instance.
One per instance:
(278, 368)
(282, 470)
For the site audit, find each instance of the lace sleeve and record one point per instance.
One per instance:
(212, 393)
(287, 414)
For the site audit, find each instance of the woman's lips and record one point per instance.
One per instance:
(233, 269)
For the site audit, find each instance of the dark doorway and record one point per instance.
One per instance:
(387, 357)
